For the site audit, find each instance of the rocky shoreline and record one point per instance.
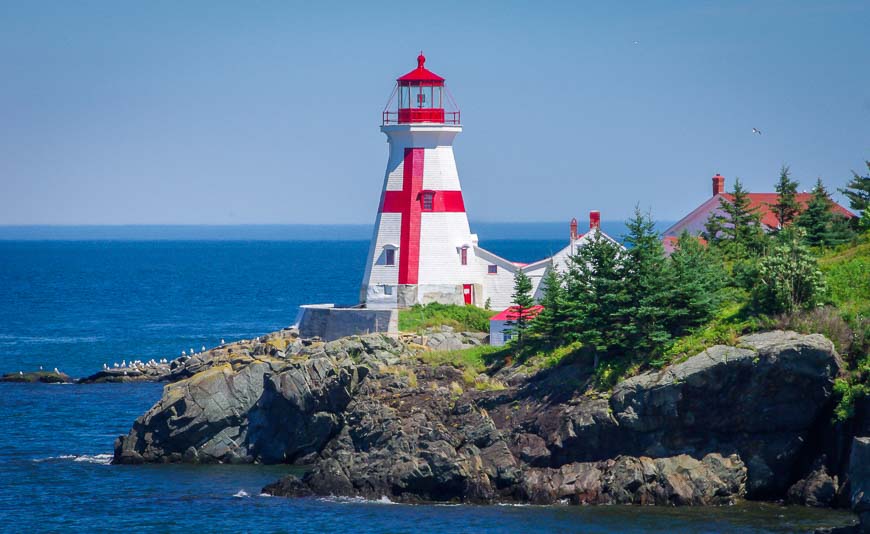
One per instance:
(369, 418)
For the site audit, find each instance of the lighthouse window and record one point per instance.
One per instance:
(428, 200)
(492, 269)
(463, 255)
(389, 256)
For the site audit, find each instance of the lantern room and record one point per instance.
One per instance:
(421, 97)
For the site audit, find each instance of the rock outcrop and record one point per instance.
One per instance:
(371, 420)
(44, 377)
(859, 479)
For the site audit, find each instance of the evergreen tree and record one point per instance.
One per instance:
(737, 228)
(858, 191)
(817, 218)
(786, 207)
(523, 300)
(547, 326)
(647, 316)
(697, 277)
(594, 296)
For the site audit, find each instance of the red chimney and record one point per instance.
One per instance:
(573, 229)
(718, 184)
(594, 220)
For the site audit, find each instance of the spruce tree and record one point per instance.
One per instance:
(697, 277)
(523, 300)
(595, 296)
(858, 191)
(647, 315)
(547, 326)
(737, 227)
(786, 207)
(817, 218)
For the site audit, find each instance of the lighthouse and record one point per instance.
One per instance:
(422, 249)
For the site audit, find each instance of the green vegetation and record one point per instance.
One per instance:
(473, 362)
(466, 318)
(523, 300)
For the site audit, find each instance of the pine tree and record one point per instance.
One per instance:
(816, 219)
(786, 207)
(737, 227)
(858, 191)
(546, 327)
(523, 300)
(647, 316)
(697, 277)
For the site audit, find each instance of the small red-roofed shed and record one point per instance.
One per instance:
(499, 324)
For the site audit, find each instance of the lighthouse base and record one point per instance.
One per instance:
(383, 297)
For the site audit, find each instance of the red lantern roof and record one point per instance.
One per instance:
(421, 75)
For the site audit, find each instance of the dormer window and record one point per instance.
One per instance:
(428, 200)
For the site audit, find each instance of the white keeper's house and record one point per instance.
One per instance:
(422, 250)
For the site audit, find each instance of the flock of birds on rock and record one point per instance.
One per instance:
(139, 365)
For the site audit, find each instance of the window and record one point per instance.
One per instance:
(492, 269)
(463, 255)
(388, 290)
(428, 200)
(389, 256)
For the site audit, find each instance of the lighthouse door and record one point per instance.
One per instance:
(466, 293)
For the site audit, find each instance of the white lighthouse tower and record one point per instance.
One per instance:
(422, 250)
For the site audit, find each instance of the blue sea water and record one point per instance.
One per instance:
(77, 304)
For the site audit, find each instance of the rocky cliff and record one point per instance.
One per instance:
(370, 419)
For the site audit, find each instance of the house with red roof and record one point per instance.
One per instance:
(695, 221)
(500, 324)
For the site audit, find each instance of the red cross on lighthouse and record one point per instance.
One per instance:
(411, 202)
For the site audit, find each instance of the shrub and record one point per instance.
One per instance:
(788, 279)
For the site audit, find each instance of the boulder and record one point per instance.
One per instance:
(818, 489)
(859, 478)
(760, 400)
(676, 480)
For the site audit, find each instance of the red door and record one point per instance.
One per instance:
(466, 294)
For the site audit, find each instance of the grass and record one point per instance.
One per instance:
(464, 318)
(474, 359)
(846, 275)
(731, 322)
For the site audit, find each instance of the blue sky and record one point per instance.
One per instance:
(268, 112)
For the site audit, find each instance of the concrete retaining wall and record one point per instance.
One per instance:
(329, 323)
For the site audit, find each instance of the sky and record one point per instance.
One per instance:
(166, 112)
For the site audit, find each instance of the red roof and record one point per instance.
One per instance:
(763, 202)
(421, 74)
(512, 313)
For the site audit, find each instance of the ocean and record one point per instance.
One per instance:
(102, 295)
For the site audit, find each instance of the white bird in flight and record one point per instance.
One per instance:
(756, 131)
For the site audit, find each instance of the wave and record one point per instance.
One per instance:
(241, 494)
(99, 459)
(357, 500)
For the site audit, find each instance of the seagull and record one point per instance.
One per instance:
(105, 366)
(56, 371)
(40, 368)
(756, 131)
(636, 42)
(116, 365)
(183, 353)
(20, 373)
(222, 341)
(191, 350)
(203, 348)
